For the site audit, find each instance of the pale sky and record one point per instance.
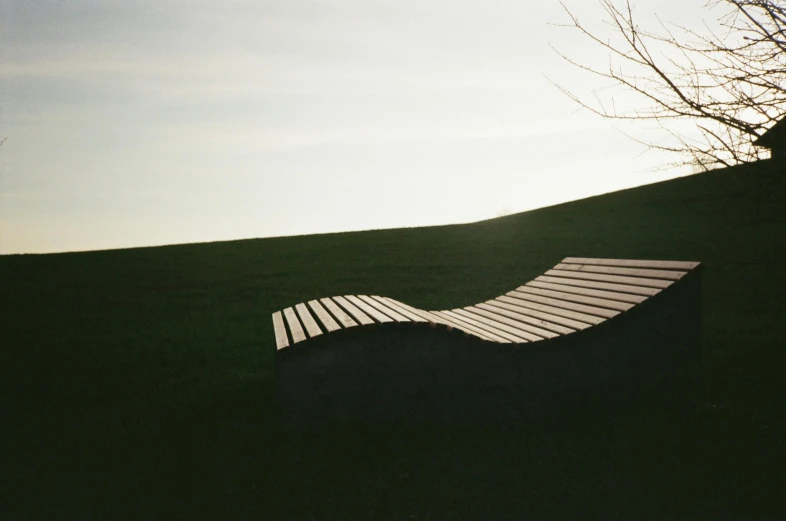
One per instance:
(137, 123)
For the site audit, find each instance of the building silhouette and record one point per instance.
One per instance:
(774, 139)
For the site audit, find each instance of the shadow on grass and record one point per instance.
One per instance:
(230, 461)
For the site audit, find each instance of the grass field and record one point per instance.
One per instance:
(137, 383)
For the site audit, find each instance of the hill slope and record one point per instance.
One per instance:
(138, 381)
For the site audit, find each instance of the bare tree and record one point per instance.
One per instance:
(729, 80)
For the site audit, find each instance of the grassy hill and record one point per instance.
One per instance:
(137, 383)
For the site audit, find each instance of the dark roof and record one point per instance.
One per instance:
(775, 136)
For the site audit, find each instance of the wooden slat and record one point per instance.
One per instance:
(624, 297)
(516, 324)
(667, 265)
(323, 316)
(398, 317)
(575, 315)
(281, 331)
(339, 313)
(581, 308)
(649, 283)
(624, 288)
(395, 307)
(513, 304)
(466, 325)
(361, 317)
(308, 321)
(427, 315)
(580, 299)
(467, 329)
(633, 272)
(498, 326)
(519, 317)
(450, 325)
(375, 314)
(294, 326)
(461, 315)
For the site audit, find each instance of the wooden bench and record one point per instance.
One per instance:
(586, 327)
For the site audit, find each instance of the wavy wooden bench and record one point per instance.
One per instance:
(585, 327)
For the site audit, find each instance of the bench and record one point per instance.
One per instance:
(586, 329)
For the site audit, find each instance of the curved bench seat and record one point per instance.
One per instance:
(584, 324)
(576, 294)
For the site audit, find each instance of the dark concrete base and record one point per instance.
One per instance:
(413, 372)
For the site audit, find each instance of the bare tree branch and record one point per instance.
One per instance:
(732, 85)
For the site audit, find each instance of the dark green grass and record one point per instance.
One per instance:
(137, 383)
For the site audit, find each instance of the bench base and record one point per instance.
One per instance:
(405, 372)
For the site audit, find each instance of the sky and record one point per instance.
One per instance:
(139, 123)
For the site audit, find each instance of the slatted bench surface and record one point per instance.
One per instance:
(576, 294)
